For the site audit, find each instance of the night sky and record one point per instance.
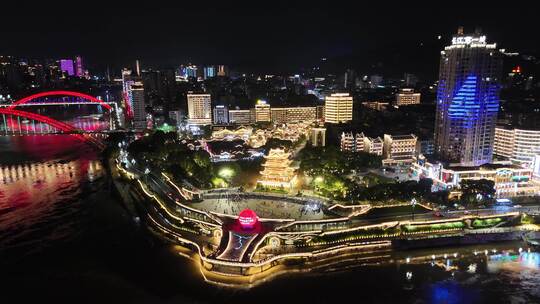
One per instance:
(260, 37)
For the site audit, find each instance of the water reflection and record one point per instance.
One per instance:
(41, 186)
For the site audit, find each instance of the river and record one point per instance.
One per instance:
(65, 238)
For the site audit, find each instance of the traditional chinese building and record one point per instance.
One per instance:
(277, 172)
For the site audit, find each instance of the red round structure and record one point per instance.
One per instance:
(247, 219)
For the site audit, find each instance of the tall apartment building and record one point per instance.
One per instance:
(338, 108)
(467, 100)
(139, 106)
(199, 109)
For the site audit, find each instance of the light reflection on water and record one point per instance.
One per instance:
(42, 180)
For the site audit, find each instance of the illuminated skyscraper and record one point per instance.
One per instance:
(338, 108)
(222, 70)
(467, 100)
(139, 105)
(66, 66)
(127, 81)
(79, 71)
(209, 72)
(199, 109)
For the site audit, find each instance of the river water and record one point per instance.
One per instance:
(65, 238)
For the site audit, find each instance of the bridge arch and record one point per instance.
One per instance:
(56, 93)
(62, 126)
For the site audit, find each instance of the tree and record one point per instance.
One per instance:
(476, 191)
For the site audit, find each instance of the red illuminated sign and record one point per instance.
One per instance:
(247, 219)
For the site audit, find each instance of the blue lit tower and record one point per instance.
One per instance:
(467, 100)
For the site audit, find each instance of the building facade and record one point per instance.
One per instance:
(399, 149)
(467, 100)
(139, 105)
(338, 108)
(262, 111)
(277, 172)
(221, 115)
(407, 97)
(376, 105)
(510, 180)
(518, 145)
(294, 114)
(361, 143)
(199, 109)
(240, 117)
(66, 66)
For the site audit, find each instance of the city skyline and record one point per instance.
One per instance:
(167, 37)
(285, 153)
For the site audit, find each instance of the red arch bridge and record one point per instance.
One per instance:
(16, 121)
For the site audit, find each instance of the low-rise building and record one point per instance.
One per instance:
(262, 111)
(376, 105)
(240, 117)
(407, 97)
(353, 142)
(399, 149)
(221, 115)
(510, 180)
(373, 145)
(294, 114)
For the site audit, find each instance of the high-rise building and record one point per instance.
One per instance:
(209, 72)
(139, 106)
(262, 112)
(199, 109)
(467, 100)
(338, 108)
(191, 71)
(66, 66)
(221, 115)
(128, 79)
(222, 70)
(407, 97)
(79, 69)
